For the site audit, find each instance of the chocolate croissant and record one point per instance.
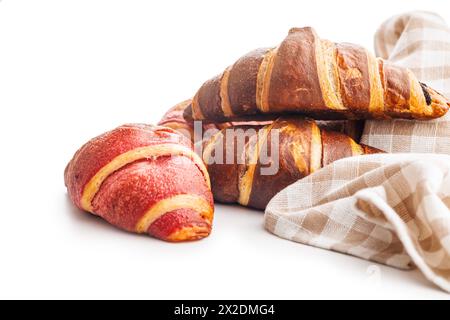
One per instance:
(251, 164)
(318, 78)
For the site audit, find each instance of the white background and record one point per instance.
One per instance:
(70, 70)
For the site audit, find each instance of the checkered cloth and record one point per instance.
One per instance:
(389, 208)
(419, 41)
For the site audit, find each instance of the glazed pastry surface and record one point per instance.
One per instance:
(143, 179)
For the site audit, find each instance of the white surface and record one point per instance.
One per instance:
(70, 70)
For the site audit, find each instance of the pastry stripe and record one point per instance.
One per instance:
(161, 150)
(246, 181)
(263, 80)
(181, 201)
(316, 148)
(315, 151)
(397, 90)
(297, 152)
(356, 148)
(417, 102)
(210, 145)
(327, 72)
(353, 70)
(197, 113)
(376, 104)
(224, 97)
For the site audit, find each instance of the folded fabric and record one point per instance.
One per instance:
(392, 209)
(419, 41)
(389, 208)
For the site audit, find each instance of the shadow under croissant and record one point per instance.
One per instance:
(84, 218)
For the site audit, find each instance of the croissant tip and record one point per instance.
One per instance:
(440, 102)
(191, 233)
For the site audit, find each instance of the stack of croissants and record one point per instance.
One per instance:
(162, 180)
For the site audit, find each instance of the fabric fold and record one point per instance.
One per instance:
(392, 208)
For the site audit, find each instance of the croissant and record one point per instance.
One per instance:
(319, 78)
(250, 164)
(174, 118)
(143, 179)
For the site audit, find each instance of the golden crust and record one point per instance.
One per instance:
(328, 74)
(263, 80)
(439, 103)
(181, 201)
(323, 80)
(376, 105)
(356, 148)
(209, 146)
(189, 234)
(197, 113)
(316, 148)
(417, 101)
(303, 148)
(224, 98)
(246, 180)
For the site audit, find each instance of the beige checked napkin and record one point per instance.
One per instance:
(419, 41)
(389, 208)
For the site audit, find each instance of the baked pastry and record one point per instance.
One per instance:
(250, 164)
(143, 179)
(318, 78)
